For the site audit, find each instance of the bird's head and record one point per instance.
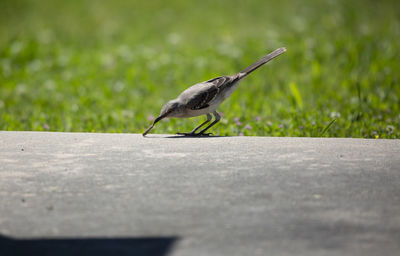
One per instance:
(171, 109)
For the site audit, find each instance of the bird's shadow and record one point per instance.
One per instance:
(151, 246)
(185, 137)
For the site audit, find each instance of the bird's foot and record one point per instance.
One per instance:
(192, 134)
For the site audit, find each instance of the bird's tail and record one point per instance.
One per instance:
(263, 60)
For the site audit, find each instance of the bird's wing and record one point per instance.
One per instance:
(203, 96)
(223, 81)
(203, 93)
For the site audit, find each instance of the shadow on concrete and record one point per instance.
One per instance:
(184, 137)
(192, 137)
(151, 246)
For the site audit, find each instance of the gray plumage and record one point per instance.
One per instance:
(205, 97)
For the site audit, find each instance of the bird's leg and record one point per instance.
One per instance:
(193, 132)
(209, 117)
(217, 118)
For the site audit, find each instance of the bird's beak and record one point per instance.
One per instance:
(155, 121)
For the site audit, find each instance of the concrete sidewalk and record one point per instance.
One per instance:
(122, 194)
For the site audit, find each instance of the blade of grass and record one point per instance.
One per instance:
(296, 95)
(327, 127)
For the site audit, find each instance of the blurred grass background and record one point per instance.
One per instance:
(109, 66)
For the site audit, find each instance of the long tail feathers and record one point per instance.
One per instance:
(263, 60)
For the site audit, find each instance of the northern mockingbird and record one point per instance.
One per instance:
(205, 97)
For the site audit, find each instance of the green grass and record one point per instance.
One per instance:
(108, 66)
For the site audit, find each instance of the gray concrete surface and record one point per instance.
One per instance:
(97, 194)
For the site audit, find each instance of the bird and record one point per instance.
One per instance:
(205, 97)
